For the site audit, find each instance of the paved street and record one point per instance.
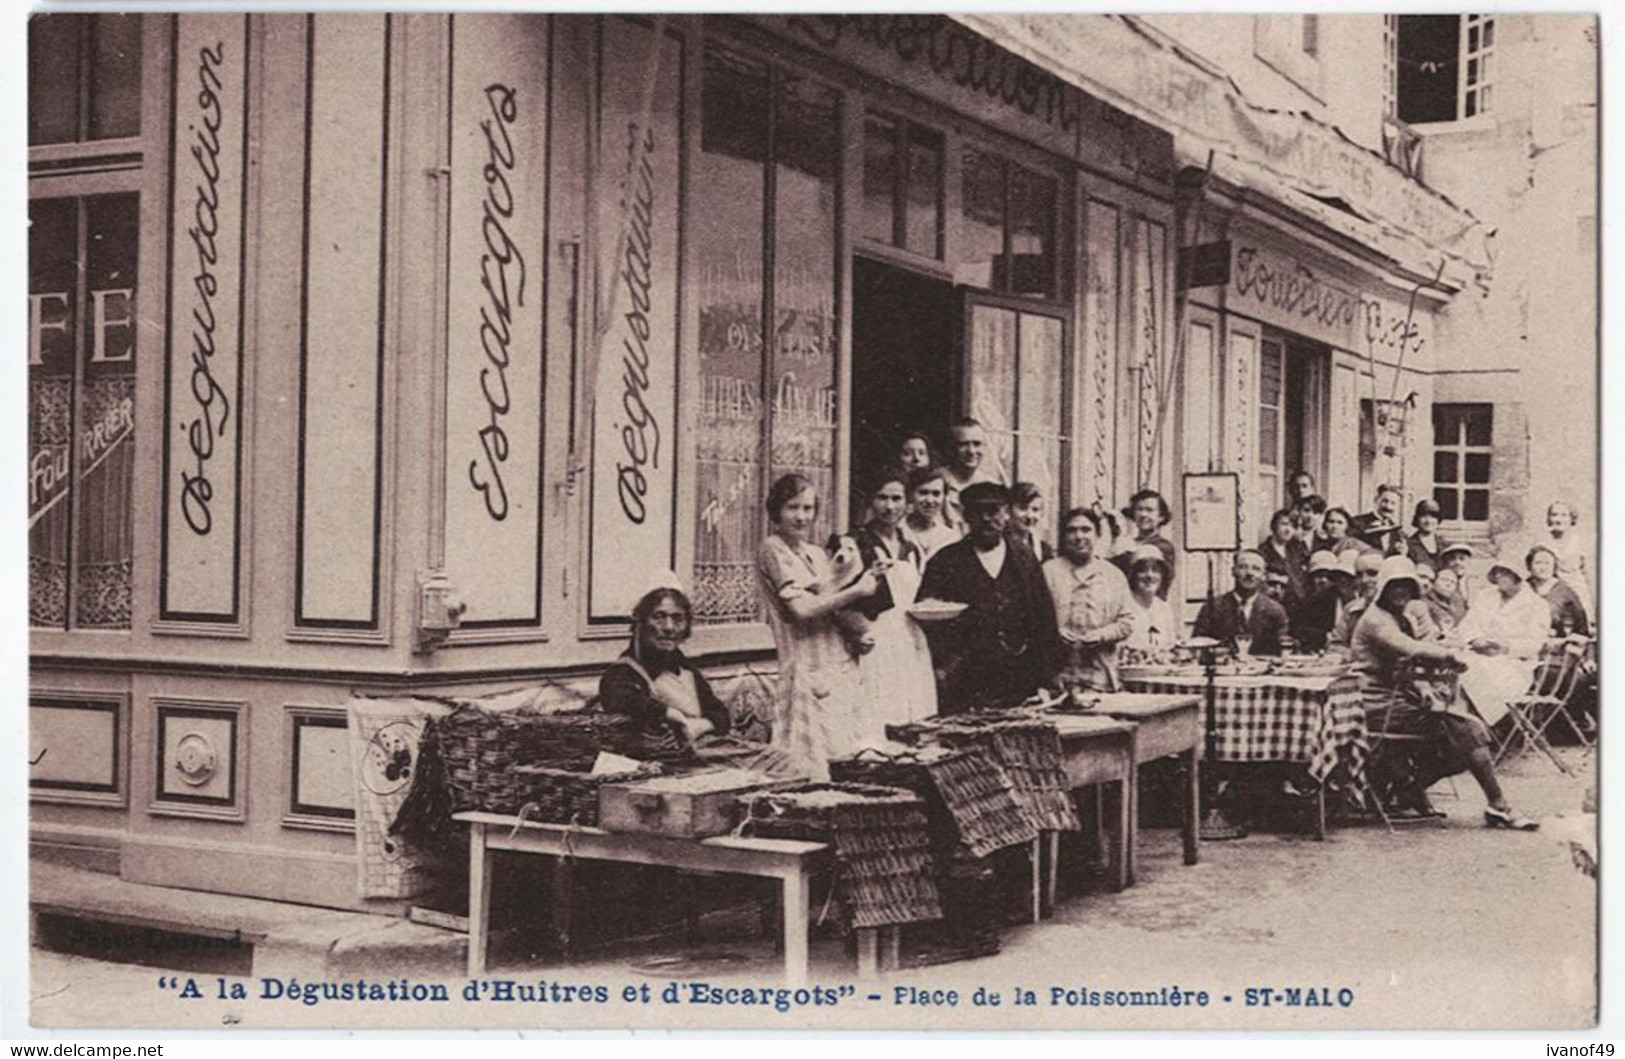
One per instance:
(1456, 926)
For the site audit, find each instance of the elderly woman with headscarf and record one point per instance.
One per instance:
(678, 715)
(1452, 741)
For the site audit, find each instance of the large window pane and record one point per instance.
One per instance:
(924, 196)
(1041, 448)
(993, 354)
(879, 180)
(115, 76)
(53, 293)
(105, 458)
(804, 391)
(1032, 232)
(727, 197)
(981, 229)
(53, 78)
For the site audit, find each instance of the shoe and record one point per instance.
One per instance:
(1510, 821)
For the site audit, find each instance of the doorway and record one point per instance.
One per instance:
(904, 364)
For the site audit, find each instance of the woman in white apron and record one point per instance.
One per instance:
(898, 682)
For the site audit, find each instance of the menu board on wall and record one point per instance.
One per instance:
(494, 374)
(635, 390)
(203, 392)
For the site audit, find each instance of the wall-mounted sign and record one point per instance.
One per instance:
(1280, 289)
(204, 363)
(1203, 265)
(635, 390)
(494, 315)
(1212, 512)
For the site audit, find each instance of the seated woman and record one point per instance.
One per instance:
(1153, 629)
(1453, 741)
(677, 713)
(1445, 601)
(1568, 610)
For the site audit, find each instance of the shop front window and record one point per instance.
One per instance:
(902, 185)
(767, 353)
(1007, 226)
(83, 257)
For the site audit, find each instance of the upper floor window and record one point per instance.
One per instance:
(1462, 436)
(1446, 67)
(83, 263)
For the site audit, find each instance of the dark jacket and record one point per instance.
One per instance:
(1417, 552)
(625, 690)
(1314, 620)
(869, 548)
(1292, 559)
(1370, 528)
(1005, 646)
(1220, 618)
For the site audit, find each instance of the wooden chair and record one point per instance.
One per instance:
(1556, 678)
(1390, 765)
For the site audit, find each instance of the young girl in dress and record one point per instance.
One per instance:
(816, 712)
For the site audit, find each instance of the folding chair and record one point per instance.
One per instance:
(1391, 763)
(1556, 677)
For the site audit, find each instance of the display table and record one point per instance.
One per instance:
(1165, 726)
(790, 862)
(1100, 750)
(1315, 721)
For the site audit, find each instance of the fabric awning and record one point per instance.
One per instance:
(1289, 156)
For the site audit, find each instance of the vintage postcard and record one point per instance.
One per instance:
(917, 521)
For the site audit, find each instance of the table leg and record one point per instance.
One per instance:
(561, 895)
(1193, 805)
(795, 926)
(1038, 877)
(1124, 871)
(479, 900)
(1320, 812)
(868, 952)
(1052, 892)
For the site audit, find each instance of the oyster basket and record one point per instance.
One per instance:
(885, 873)
(967, 796)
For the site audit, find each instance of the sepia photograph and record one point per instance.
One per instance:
(934, 521)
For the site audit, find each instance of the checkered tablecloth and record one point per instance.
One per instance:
(1318, 721)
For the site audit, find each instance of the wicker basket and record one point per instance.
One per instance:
(567, 796)
(1028, 749)
(966, 793)
(481, 749)
(885, 872)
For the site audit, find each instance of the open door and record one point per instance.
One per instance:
(903, 370)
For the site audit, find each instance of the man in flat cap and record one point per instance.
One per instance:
(1005, 646)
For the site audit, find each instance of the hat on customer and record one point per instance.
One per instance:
(1453, 549)
(1499, 567)
(983, 493)
(1149, 553)
(1396, 568)
(1324, 562)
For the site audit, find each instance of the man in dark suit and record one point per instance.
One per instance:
(1244, 611)
(1005, 646)
(1380, 528)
